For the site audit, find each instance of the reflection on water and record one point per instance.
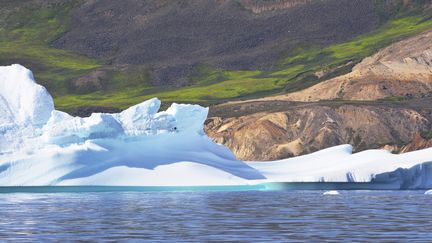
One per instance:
(217, 216)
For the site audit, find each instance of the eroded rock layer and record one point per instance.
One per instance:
(302, 130)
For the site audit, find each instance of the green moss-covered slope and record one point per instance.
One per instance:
(27, 31)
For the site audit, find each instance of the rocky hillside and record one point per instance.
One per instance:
(172, 37)
(274, 128)
(420, 141)
(289, 129)
(403, 70)
(112, 54)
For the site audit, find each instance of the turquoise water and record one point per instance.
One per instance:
(80, 189)
(275, 186)
(215, 216)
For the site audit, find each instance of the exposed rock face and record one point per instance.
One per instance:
(275, 131)
(402, 69)
(277, 135)
(419, 142)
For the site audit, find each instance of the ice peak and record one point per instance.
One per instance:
(22, 101)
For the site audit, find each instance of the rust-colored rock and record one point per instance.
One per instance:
(418, 142)
(276, 135)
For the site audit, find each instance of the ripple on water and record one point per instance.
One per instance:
(302, 216)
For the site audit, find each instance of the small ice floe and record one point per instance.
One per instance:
(331, 193)
(428, 192)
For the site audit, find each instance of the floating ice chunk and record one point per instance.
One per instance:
(141, 146)
(338, 164)
(428, 192)
(331, 193)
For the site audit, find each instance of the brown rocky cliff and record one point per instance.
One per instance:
(402, 69)
(419, 142)
(276, 135)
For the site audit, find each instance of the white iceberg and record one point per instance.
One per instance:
(338, 164)
(143, 147)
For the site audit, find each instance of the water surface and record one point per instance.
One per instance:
(301, 216)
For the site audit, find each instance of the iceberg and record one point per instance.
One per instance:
(411, 170)
(142, 146)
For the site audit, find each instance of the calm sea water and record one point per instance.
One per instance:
(249, 216)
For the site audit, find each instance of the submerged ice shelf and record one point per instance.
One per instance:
(144, 147)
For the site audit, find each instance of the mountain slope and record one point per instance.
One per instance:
(280, 129)
(172, 37)
(403, 69)
(115, 54)
(276, 127)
